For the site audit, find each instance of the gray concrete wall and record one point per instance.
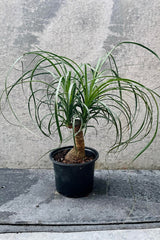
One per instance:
(83, 30)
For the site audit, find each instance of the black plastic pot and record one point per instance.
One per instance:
(74, 180)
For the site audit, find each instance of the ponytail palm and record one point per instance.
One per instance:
(66, 94)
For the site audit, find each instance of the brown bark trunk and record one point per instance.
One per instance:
(77, 153)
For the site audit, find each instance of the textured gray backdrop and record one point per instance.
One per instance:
(83, 30)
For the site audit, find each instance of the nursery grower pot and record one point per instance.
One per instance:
(74, 180)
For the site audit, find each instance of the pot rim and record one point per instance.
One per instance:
(89, 149)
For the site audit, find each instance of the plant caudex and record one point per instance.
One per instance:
(66, 94)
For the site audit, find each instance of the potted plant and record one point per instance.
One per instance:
(64, 94)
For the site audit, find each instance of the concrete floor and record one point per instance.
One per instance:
(121, 200)
(141, 234)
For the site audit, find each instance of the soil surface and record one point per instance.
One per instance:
(60, 157)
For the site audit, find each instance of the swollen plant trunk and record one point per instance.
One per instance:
(77, 153)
